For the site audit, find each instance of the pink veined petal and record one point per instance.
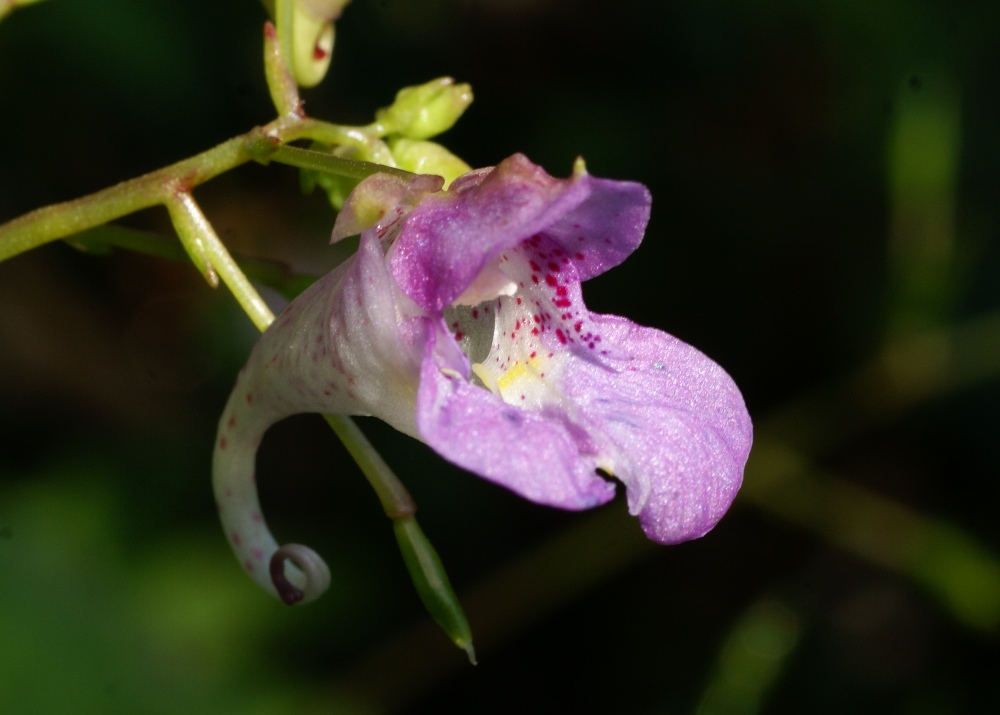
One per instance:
(652, 411)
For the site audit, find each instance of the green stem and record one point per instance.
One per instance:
(366, 140)
(283, 11)
(308, 159)
(207, 251)
(395, 499)
(104, 239)
(60, 220)
(280, 81)
(57, 221)
(193, 230)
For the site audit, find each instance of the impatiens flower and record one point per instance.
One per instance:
(460, 321)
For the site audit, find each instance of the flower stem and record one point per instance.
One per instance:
(204, 247)
(283, 12)
(262, 144)
(280, 81)
(319, 161)
(104, 239)
(395, 499)
(60, 220)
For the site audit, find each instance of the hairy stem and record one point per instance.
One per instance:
(280, 81)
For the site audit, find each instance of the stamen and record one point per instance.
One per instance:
(312, 573)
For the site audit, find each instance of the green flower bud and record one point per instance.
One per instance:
(424, 157)
(424, 110)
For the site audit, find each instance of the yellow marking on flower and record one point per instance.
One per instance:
(480, 371)
(520, 370)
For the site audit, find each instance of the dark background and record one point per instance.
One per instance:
(825, 178)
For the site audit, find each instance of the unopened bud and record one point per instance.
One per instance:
(425, 110)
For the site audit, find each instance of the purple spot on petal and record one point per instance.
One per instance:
(513, 416)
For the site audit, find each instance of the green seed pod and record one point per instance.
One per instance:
(432, 583)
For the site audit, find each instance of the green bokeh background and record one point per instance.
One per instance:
(825, 225)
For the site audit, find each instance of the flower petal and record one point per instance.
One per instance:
(536, 457)
(670, 422)
(603, 231)
(381, 200)
(347, 345)
(453, 236)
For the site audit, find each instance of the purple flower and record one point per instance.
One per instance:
(460, 322)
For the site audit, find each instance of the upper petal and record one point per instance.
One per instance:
(604, 230)
(450, 238)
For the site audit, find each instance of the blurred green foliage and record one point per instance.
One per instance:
(825, 225)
